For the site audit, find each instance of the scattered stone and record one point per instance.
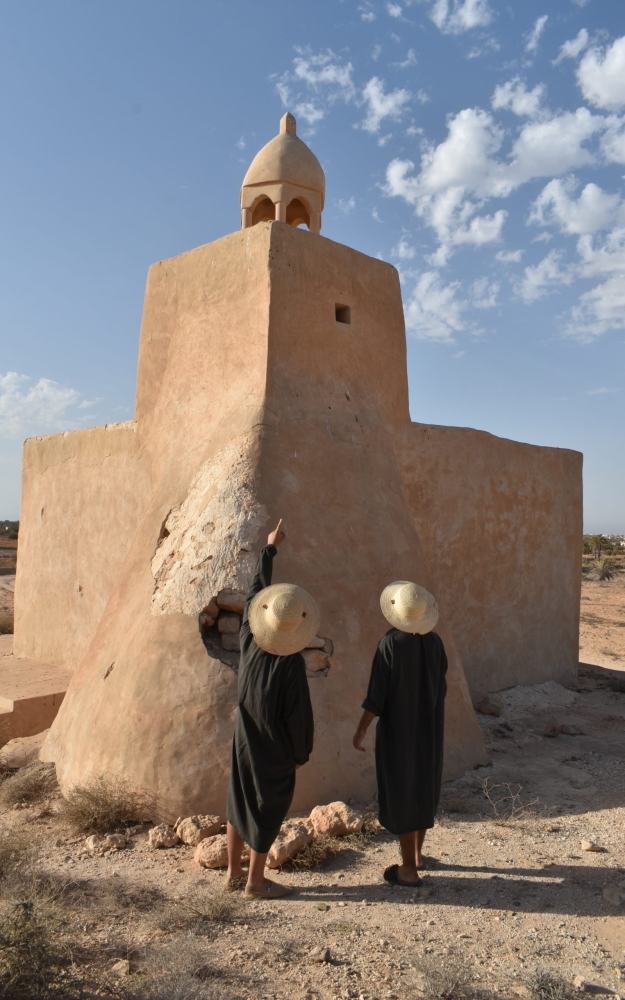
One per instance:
(162, 836)
(228, 624)
(322, 906)
(121, 968)
(315, 660)
(207, 621)
(571, 730)
(336, 820)
(231, 642)
(231, 602)
(113, 842)
(92, 843)
(212, 852)
(22, 751)
(294, 835)
(587, 845)
(613, 895)
(552, 728)
(328, 646)
(321, 955)
(193, 829)
(489, 705)
(579, 983)
(550, 828)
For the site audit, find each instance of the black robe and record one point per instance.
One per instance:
(273, 731)
(407, 691)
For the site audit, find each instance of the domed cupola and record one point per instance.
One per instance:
(285, 182)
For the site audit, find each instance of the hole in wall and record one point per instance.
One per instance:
(343, 313)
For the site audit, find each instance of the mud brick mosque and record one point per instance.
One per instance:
(272, 383)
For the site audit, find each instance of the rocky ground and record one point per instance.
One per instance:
(510, 892)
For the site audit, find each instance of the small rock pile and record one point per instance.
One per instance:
(334, 820)
(224, 612)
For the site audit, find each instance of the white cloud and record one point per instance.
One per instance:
(325, 75)
(346, 205)
(484, 293)
(602, 308)
(601, 392)
(601, 76)
(514, 96)
(240, 143)
(423, 97)
(539, 279)
(433, 311)
(534, 35)
(572, 48)
(410, 60)
(366, 12)
(509, 256)
(375, 55)
(384, 139)
(382, 105)
(593, 210)
(34, 409)
(454, 17)
(613, 140)
(403, 250)
(393, 9)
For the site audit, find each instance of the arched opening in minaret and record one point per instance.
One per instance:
(264, 211)
(297, 214)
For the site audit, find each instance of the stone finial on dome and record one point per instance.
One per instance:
(288, 124)
(285, 182)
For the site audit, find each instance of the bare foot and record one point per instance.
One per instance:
(267, 889)
(409, 873)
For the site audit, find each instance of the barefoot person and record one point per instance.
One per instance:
(273, 732)
(407, 692)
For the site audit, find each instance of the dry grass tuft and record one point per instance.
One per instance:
(178, 971)
(545, 985)
(450, 980)
(31, 962)
(106, 803)
(316, 854)
(30, 784)
(15, 851)
(220, 907)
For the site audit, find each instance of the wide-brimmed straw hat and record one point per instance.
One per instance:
(409, 607)
(283, 619)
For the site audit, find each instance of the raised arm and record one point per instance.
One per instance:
(264, 565)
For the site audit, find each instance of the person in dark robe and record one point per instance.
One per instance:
(273, 732)
(406, 692)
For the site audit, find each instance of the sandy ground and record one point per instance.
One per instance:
(7, 592)
(602, 623)
(504, 897)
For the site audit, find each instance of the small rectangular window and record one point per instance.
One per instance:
(342, 313)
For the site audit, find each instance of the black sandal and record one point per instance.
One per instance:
(390, 875)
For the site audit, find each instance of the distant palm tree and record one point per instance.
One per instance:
(598, 543)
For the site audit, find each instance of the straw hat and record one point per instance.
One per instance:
(283, 619)
(409, 607)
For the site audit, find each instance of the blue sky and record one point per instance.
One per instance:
(478, 145)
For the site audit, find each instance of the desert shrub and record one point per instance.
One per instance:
(220, 907)
(448, 980)
(545, 985)
(106, 803)
(508, 806)
(177, 971)
(6, 623)
(315, 854)
(15, 851)
(29, 784)
(31, 962)
(606, 569)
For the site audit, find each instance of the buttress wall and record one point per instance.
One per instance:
(83, 493)
(501, 527)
